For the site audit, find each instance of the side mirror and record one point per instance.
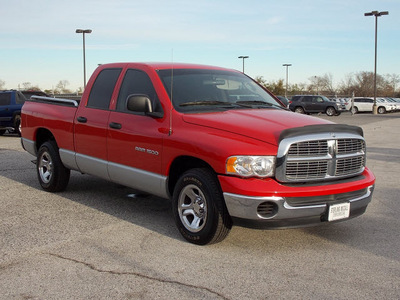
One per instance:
(139, 103)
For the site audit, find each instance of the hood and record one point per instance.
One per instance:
(261, 124)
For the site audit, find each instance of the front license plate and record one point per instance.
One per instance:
(339, 211)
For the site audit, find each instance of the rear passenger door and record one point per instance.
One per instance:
(91, 125)
(307, 103)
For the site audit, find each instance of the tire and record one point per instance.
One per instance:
(52, 175)
(355, 110)
(299, 110)
(17, 124)
(199, 209)
(330, 111)
(381, 110)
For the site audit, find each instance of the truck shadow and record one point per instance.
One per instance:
(127, 204)
(115, 200)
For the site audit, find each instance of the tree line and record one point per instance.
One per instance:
(361, 84)
(60, 88)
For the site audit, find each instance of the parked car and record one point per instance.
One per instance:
(365, 104)
(394, 102)
(313, 104)
(11, 102)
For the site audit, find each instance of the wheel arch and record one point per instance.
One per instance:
(43, 135)
(180, 165)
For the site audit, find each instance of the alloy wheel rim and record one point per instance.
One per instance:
(192, 208)
(45, 167)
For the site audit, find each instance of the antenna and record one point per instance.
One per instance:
(172, 88)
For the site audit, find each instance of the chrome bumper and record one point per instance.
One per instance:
(277, 212)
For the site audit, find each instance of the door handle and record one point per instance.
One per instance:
(115, 125)
(81, 119)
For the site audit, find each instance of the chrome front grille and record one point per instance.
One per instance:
(322, 156)
(306, 170)
(309, 148)
(350, 146)
(350, 165)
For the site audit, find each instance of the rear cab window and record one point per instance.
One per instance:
(103, 88)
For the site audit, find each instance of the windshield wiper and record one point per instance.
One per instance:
(252, 103)
(213, 102)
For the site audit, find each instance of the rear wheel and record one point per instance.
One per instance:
(199, 209)
(52, 175)
(330, 111)
(17, 124)
(299, 110)
(381, 110)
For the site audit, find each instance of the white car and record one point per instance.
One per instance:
(395, 102)
(365, 104)
(389, 106)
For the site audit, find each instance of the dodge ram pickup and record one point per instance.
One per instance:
(212, 140)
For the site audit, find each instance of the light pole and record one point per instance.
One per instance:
(243, 57)
(83, 31)
(287, 73)
(376, 14)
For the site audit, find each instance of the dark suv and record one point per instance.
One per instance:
(306, 104)
(10, 111)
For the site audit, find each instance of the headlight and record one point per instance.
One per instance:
(247, 166)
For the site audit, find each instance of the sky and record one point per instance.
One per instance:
(38, 43)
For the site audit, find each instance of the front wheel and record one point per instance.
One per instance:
(199, 209)
(52, 175)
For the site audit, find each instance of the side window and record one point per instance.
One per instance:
(369, 100)
(5, 99)
(102, 89)
(137, 82)
(317, 100)
(307, 99)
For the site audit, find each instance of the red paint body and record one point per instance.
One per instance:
(209, 137)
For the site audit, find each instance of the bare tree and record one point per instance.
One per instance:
(26, 85)
(61, 87)
(393, 80)
(2, 84)
(322, 85)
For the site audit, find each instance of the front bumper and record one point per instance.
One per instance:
(280, 206)
(280, 211)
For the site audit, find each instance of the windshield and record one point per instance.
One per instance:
(325, 99)
(193, 90)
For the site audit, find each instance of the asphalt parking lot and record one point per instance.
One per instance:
(97, 240)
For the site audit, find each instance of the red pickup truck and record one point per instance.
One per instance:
(223, 148)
